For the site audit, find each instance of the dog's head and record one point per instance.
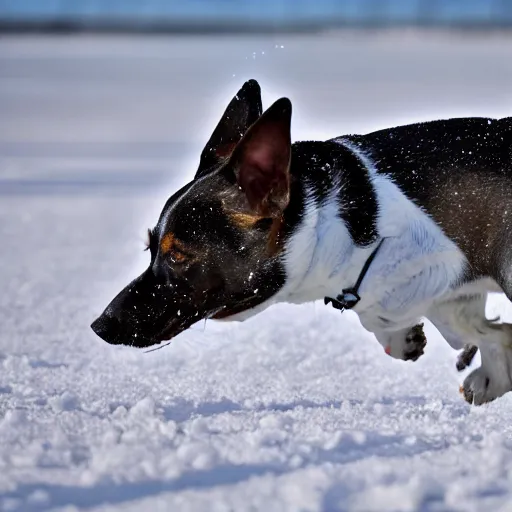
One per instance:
(216, 249)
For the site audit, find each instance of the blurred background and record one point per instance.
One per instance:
(100, 86)
(235, 16)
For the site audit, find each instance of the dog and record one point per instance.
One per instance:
(401, 224)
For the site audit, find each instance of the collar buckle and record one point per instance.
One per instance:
(347, 300)
(350, 296)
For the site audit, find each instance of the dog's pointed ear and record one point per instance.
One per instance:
(243, 110)
(261, 161)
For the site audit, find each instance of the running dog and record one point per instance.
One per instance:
(401, 224)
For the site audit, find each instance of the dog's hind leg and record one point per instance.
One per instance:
(441, 317)
(466, 357)
(462, 321)
(494, 378)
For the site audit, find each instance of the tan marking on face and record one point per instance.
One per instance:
(171, 246)
(244, 220)
(274, 245)
(166, 243)
(248, 221)
(177, 251)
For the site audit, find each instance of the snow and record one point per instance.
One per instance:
(296, 409)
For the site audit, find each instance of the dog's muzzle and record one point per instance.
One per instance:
(110, 329)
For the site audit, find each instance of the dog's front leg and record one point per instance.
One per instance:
(395, 317)
(442, 316)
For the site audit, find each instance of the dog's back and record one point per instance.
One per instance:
(460, 172)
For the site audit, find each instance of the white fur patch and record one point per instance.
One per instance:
(416, 265)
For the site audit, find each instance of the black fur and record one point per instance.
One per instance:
(422, 157)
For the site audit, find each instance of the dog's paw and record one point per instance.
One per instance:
(466, 357)
(480, 387)
(477, 388)
(415, 343)
(407, 345)
(494, 378)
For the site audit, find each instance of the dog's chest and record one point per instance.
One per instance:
(417, 263)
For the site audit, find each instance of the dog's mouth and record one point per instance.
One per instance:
(178, 325)
(223, 313)
(220, 313)
(242, 305)
(175, 327)
(169, 332)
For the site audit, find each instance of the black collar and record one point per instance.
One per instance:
(349, 296)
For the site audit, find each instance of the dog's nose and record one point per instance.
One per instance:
(108, 328)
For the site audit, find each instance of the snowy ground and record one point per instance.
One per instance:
(296, 409)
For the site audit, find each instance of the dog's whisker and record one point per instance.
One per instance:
(157, 348)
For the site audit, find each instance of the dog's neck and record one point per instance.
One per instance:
(338, 228)
(321, 258)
